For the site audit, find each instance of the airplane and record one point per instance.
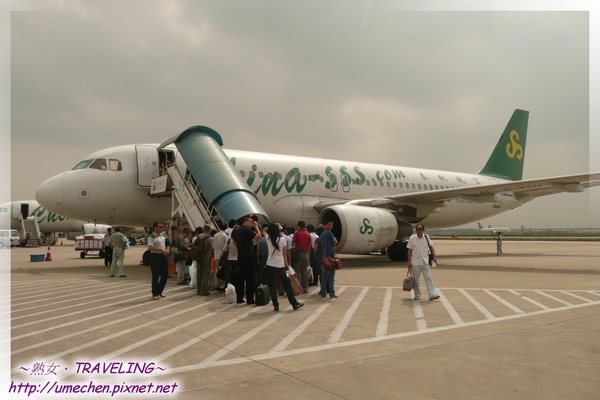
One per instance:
(19, 215)
(492, 229)
(373, 206)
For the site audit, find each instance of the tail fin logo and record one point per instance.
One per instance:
(514, 148)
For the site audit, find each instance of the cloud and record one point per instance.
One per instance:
(343, 80)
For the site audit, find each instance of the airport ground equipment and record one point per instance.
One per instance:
(90, 244)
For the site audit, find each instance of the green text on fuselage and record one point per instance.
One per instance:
(294, 181)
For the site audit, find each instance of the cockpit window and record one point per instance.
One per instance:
(82, 164)
(115, 165)
(99, 163)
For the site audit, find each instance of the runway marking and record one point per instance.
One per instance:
(384, 315)
(477, 304)
(344, 309)
(337, 333)
(577, 297)
(300, 329)
(553, 298)
(450, 309)
(506, 303)
(55, 294)
(101, 299)
(76, 322)
(535, 303)
(242, 339)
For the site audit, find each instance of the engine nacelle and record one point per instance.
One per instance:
(360, 229)
(91, 229)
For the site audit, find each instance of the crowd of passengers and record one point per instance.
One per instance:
(248, 251)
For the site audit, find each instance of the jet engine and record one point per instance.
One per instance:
(90, 229)
(361, 229)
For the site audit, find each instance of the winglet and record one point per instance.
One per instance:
(508, 156)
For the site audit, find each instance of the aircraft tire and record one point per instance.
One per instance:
(398, 251)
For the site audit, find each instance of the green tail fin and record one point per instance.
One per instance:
(508, 156)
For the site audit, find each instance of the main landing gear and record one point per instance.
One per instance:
(398, 251)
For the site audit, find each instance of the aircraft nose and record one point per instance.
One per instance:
(50, 194)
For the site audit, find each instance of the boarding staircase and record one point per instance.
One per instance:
(210, 189)
(188, 201)
(30, 224)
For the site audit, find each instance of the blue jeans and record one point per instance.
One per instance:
(231, 265)
(327, 282)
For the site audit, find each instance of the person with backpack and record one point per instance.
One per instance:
(202, 251)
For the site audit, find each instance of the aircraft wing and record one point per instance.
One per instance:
(528, 188)
(427, 201)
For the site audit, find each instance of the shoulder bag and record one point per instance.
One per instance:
(225, 255)
(331, 263)
(431, 263)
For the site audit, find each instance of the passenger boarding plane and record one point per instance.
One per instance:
(373, 206)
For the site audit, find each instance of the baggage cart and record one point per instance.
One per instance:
(90, 244)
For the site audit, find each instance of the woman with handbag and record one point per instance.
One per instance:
(276, 266)
(327, 243)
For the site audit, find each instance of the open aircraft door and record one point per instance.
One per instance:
(147, 163)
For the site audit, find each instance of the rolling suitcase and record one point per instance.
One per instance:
(261, 295)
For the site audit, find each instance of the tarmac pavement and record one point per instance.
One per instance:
(524, 325)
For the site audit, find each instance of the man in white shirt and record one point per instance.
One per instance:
(419, 246)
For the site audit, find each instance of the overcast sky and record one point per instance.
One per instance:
(353, 80)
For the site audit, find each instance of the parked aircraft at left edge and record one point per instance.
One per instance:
(49, 222)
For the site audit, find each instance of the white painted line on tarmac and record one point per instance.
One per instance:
(40, 288)
(141, 342)
(566, 303)
(205, 335)
(506, 303)
(279, 350)
(384, 315)
(228, 348)
(450, 309)
(98, 298)
(477, 305)
(419, 316)
(267, 356)
(116, 311)
(535, 303)
(289, 339)
(337, 333)
(577, 296)
(59, 292)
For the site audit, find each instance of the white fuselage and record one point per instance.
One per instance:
(287, 187)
